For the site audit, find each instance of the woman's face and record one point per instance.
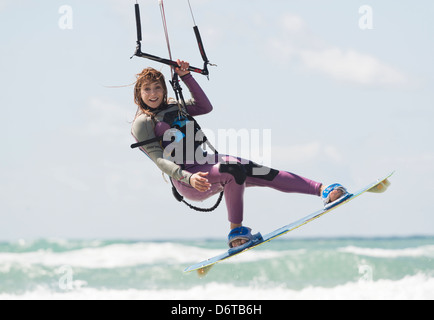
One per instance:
(152, 94)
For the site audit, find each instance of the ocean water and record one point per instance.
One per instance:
(341, 268)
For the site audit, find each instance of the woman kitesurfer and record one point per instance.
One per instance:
(196, 174)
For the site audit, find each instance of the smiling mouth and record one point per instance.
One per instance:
(154, 100)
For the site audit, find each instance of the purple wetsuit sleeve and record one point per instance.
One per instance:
(200, 103)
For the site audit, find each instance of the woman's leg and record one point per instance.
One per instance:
(286, 182)
(233, 175)
(233, 179)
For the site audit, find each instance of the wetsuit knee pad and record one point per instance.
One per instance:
(263, 172)
(235, 169)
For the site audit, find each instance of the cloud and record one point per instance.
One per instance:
(298, 43)
(294, 24)
(351, 66)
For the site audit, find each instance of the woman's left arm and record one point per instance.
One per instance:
(200, 103)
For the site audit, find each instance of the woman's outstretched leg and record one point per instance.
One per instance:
(285, 182)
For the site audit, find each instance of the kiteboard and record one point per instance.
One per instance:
(204, 267)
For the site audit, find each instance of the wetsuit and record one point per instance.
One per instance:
(226, 173)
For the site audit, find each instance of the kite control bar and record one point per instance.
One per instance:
(168, 62)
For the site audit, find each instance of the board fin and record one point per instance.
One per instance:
(202, 272)
(381, 187)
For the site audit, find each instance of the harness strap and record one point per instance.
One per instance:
(143, 143)
(180, 198)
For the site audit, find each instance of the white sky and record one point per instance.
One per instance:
(343, 105)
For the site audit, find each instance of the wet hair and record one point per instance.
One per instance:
(147, 76)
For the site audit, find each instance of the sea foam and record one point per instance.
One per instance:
(417, 287)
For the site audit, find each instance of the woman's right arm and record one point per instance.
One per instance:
(142, 130)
